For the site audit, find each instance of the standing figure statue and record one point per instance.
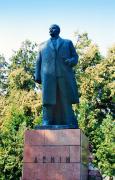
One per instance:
(55, 61)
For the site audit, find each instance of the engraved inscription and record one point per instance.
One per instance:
(52, 159)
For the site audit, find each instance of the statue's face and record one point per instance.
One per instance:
(54, 31)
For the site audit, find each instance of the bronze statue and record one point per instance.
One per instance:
(55, 61)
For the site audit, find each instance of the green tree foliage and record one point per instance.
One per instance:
(20, 110)
(95, 76)
(19, 79)
(105, 150)
(25, 57)
(3, 75)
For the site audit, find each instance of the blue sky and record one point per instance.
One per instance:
(30, 19)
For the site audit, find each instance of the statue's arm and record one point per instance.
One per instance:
(74, 56)
(38, 68)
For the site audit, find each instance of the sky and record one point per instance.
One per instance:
(30, 19)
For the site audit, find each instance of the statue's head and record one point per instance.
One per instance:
(54, 30)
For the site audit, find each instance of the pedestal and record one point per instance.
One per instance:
(55, 155)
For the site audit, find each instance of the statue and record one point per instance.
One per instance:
(54, 71)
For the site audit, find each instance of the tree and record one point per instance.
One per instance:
(25, 57)
(95, 76)
(21, 110)
(3, 75)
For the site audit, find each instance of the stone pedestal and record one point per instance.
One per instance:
(55, 155)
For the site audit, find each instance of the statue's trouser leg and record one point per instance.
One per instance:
(58, 115)
(47, 114)
(53, 114)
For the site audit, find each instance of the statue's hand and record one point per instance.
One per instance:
(68, 62)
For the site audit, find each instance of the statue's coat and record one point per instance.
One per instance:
(51, 65)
